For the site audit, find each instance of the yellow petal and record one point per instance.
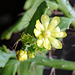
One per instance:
(47, 44)
(56, 29)
(59, 34)
(54, 22)
(56, 43)
(37, 32)
(40, 42)
(39, 25)
(45, 21)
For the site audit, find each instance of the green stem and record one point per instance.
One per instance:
(67, 9)
(58, 64)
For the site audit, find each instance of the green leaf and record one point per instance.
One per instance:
(40, 11)
(10, 68)
(52, 5)
(4, 57)
(22, 22)
(28, 4)
(64, 23)
(30, 68)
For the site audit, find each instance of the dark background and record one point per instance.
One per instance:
(10, 11)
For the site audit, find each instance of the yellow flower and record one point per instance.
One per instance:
(48, 33)
(21, 55)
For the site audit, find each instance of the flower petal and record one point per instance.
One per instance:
(56, 43)
(39, 25)
(59, 34)
(45, 21)
(54, 22)
(56, 29)
(47, 44)
(37, 32)
(40, 42)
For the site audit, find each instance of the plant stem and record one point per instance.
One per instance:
(58, 64)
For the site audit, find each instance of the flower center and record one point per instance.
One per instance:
(46, 33)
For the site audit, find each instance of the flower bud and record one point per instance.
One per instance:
(21, 55)
(31, 55)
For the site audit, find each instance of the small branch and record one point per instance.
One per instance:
(50, 54)
(51, 10)
(58, 13)
(15, 46)
(73, 45)
(52, 71)
(21, 14)
(73, 73)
